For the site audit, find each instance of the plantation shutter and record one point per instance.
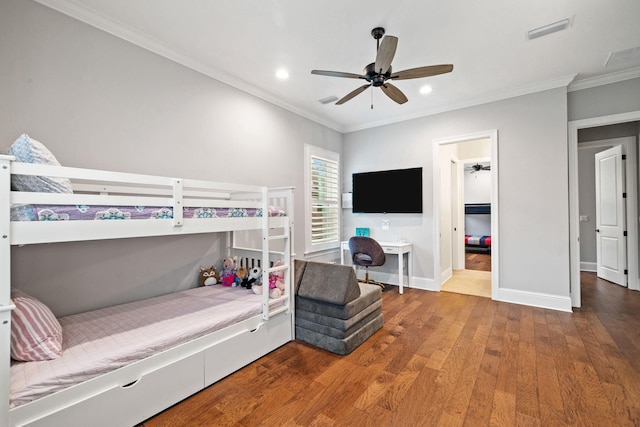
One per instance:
(325, 201)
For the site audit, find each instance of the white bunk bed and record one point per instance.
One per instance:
(138, 390)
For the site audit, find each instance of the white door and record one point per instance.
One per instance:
(611, 244)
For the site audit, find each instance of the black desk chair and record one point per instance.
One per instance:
(366, 252)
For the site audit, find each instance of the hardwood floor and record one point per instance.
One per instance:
(477, 261)
(447, 359)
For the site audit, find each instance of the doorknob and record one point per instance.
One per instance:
(597, 231)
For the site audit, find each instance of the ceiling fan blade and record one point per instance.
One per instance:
(337, 74)
(352, 94)
(385, 54)
(394, 93)
(416, 73)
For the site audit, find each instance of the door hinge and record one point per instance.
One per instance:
(624, 157)
(624, 195)
(624, 233)
(626, 271)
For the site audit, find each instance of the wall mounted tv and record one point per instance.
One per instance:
(389, 191)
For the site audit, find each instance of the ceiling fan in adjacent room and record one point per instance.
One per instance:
(477, 167)
(380, 72)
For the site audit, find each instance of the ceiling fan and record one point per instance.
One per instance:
(477, 167)
(378, 73)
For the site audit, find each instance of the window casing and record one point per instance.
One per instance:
(322, 199)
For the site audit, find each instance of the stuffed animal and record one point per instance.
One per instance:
(208, 276)
(228, 276)
(274, 290)
(276, 281)
(243, 276)
(254, 279)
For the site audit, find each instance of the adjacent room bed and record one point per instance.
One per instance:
(105, 367)
(477, 227)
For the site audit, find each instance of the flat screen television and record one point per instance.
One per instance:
(389, 191)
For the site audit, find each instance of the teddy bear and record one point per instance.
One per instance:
(208, 276)
(228, 276)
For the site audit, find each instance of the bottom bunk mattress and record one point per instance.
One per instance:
(101, 341)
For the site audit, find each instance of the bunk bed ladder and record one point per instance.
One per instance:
(285, 237)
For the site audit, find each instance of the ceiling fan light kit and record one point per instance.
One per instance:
(378, 73)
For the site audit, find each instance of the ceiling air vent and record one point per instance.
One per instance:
(624, 56)
(548, 29)
(328, 99)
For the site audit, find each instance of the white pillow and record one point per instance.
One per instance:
(36, 334)
(28, 150)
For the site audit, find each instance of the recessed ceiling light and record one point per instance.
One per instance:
(282, 74)
(425, 90)
(548, 29)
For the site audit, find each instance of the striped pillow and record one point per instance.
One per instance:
(36, 334)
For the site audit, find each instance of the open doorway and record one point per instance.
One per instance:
(465, 213)
(596, 132)
(477, 212)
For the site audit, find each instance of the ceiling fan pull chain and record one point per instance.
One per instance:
(372, 97)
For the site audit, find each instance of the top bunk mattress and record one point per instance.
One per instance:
(100, 341)
(84, 212)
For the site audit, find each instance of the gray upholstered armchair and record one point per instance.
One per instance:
(333, 311)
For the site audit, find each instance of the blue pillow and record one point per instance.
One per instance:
(28, 150)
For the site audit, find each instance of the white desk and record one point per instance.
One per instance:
(394, 248)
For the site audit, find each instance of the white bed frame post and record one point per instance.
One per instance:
(5, 286)
(177, 203)
(265, 253)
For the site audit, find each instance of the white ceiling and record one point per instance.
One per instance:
(244, 42)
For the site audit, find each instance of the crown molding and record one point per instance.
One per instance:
(563, 81)
(605, 79)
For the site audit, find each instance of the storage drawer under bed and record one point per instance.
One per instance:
(240, 350)
(132, 403)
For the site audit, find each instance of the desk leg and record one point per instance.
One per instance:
(410, 265)
(400, 272)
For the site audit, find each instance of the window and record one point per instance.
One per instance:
(322, 199)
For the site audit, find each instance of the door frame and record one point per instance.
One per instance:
(574, 206)
(492, 135)
(457, 215)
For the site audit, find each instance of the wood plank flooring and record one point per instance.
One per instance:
(445, 359)
(477, 261)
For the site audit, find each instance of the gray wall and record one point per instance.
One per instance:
(615, 98)
(99, 102)
(532, 132)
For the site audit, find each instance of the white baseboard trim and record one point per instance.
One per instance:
(534, 299)
(446, 275)
(588, 266)
(514, 296)
(424, 284)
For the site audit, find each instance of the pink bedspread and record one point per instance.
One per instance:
(100, 341)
